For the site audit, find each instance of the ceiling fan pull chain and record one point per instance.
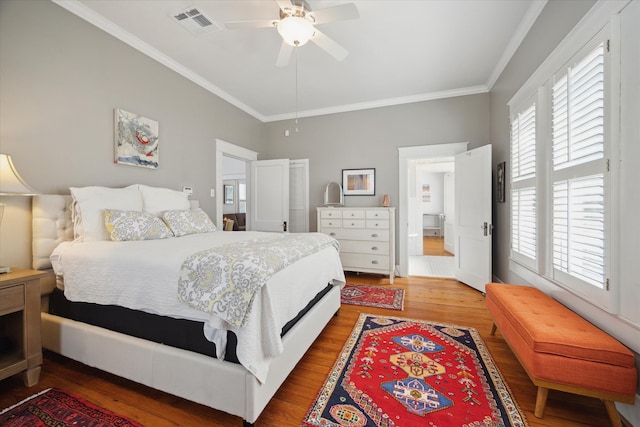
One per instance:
(296, 53)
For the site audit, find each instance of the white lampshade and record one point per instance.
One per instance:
(295, 30)
(11, 183)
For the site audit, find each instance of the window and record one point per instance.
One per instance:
(560, 141)
(578, 141)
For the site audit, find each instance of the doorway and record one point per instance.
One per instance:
(238, 156)
(410, 196)
(431, 241)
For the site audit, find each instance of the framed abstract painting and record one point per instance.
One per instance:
(136, 140)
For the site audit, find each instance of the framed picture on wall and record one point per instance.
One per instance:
(500, 184)
(136, 140)
(359, 182)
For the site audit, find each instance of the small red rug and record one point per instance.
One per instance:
(58, 408)
(373, 296)
(405, 372)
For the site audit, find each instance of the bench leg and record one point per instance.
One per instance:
(493, 328)
(613, 413)
(541, 401)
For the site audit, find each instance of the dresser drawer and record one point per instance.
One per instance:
(378, 214)
(328, 223)
(357, 234)
(353, 213)
(12, 298)
(378, 224)
(364, 247)
(364, 261)
(331, 213)
(353, 223)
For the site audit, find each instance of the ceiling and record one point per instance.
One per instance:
(399, 51)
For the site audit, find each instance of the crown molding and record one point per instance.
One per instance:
(430, 96)
(523, 28)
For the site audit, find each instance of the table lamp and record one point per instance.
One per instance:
(11, 184)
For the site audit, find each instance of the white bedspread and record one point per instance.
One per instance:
(144, 275)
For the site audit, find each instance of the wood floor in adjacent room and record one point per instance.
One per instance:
(438, 300)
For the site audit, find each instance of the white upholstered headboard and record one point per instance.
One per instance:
(52, 225)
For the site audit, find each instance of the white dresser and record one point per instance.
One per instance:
(366, 236)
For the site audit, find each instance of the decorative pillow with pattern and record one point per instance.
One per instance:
(186, 222)
(134, 225)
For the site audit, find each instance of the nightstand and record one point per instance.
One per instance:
(20, 341)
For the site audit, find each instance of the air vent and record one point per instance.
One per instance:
(196, 22)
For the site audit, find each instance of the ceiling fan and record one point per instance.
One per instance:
(297, 25)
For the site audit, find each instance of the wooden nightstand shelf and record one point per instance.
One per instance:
(20, 341)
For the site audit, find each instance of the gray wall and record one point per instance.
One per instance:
(370, 139)
(60, 80)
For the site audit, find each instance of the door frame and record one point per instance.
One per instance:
(224, 148)
(412, 153)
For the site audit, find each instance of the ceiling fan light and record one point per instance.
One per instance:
(295, 31)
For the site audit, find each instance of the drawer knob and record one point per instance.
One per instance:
(374, 235)
(332, 234)
(374, 261)
(353, 223)
(375, 248)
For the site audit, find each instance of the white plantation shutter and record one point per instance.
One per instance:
(523, 144)
(578, 112)
(578, 191)
(578, 228)
(523, 206)
(523, 190)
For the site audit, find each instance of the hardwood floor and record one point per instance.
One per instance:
(430, 299)
(434, 246)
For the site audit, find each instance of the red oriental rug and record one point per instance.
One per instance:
(404, 372)
(54, 407)
(373, 296)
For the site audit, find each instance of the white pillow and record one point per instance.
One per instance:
(185, 222)
(156, 200)
(90, 203)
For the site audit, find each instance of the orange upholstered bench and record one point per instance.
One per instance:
(559, 349)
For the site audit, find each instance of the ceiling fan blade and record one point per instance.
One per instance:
(235, 25)
(328, 44)
(283, 4)
(336, 13)
(284, 55)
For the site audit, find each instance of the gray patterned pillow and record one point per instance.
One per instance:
(134, 225)
(186, 222)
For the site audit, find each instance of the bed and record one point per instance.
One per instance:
(301, 298)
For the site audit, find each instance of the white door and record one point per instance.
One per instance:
(473, 217)
(269, 192)
(449, 213)
(298, 196)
